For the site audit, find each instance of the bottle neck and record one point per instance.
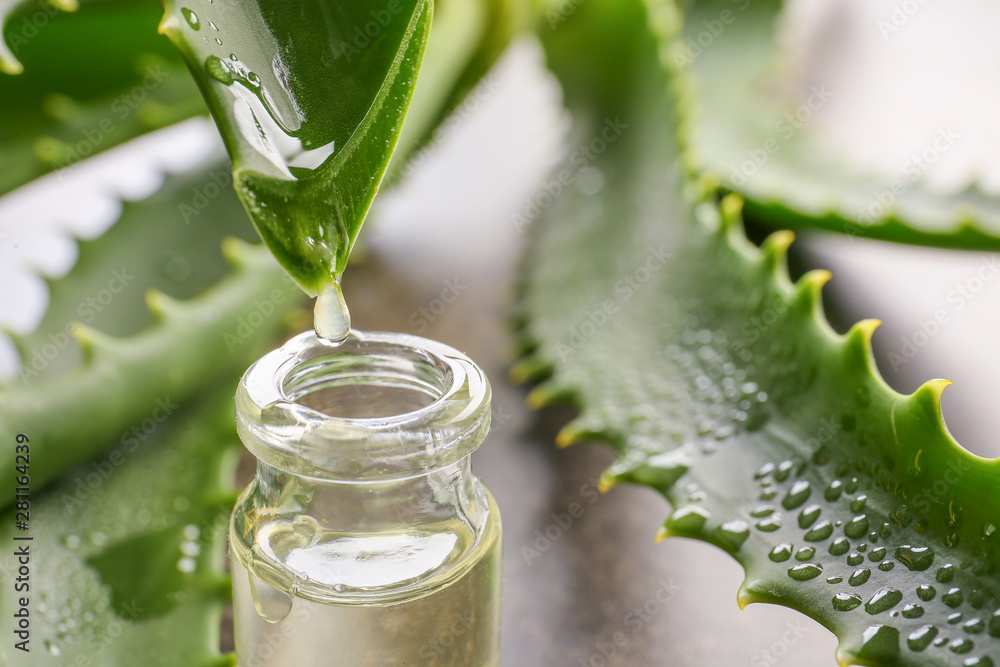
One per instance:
(421, 502)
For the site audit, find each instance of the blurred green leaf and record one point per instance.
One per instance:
(184, 346)
(80, 95)
(126, 552)
(746, 133)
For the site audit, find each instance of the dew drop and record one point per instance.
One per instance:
(915, 558)
(927, 593)
(913, 611)
(953, 597)
(809, 515)
(884, 600)
(856, 527)
(859, 577)
(886, 566)
(839, 547)
(770, 524)
(946, 573)
(332, 319)
(783, 471)
(880, 644)
(961, 646)
(805, 553)
(995, 624)
(858, 504)
(846, 602)
(781, 553)
(833, 491)
(876, 554)
(271, 604)
(688, 519)
(984, 661)
(733, 534)
(855, 559)
(762, 511)
(805, 572)
(797, 495)
(974, 626)
(52, 648)
(218, 70)
(820, 532)
(921, 638)
(191, 18)
(834, 580)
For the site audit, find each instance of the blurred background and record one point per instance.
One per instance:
(440, 253)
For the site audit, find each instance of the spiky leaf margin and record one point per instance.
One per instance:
(721, 385)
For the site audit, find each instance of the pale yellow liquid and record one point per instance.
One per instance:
(437, 605)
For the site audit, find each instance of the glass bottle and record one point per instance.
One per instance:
(365, 538)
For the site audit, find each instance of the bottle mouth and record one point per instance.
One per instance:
(379, 406)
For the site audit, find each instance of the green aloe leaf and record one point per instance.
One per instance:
(765, 148)
(125, 558)
(310, 99)
(169, 353)
(78, 95)
(11, 10)
(720, 384)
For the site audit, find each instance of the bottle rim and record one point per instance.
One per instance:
(277, 424)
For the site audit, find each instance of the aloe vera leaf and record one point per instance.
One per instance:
(169, 242)
(800, 183)
(126, 552)
(310, 99)
(720, 384)
(188, 345)
(78, 95)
